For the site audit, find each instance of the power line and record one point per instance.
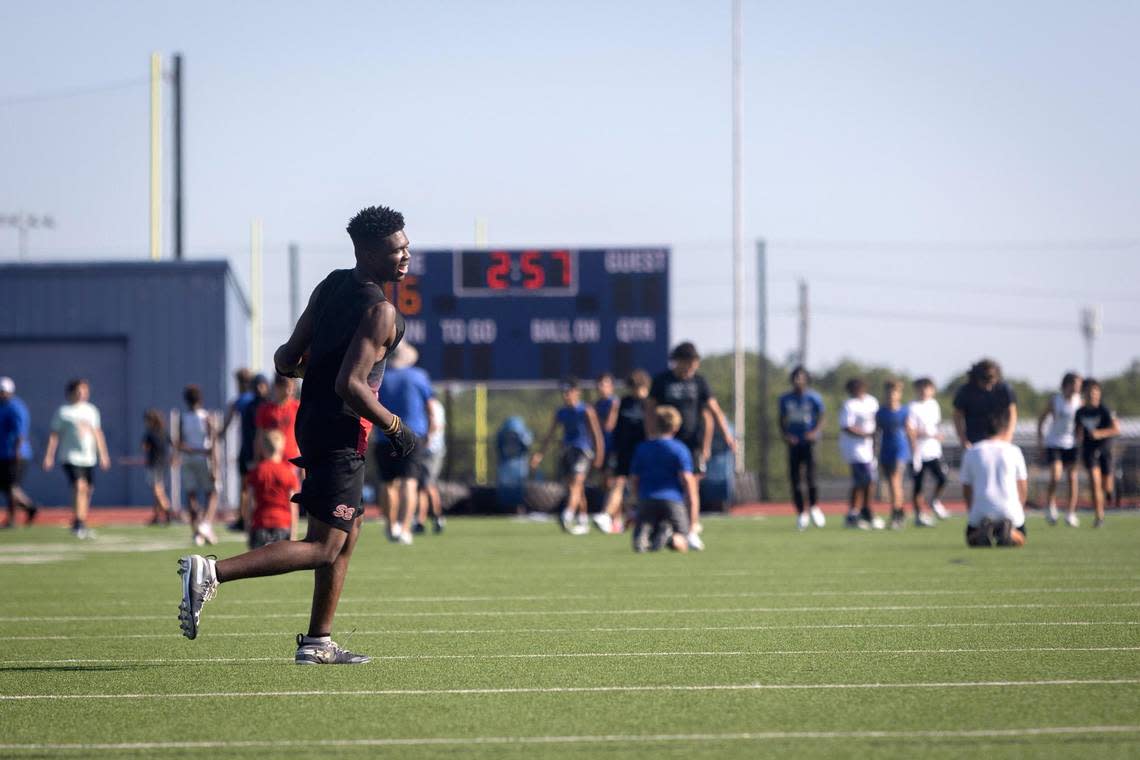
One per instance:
(72, 92)
(963, 320)
(976, 246)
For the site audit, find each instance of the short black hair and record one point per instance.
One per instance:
(373, 224)
(192, 395)
(684, 352)
(985, 371)
(923, 382)
(73, 385)
(995, 422)
(855, 386)
(568, 383)
(1070, 378)
(797, 370)
(1091, 383)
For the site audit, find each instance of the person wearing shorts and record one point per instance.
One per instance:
(857, 448)
(1059, 445)
(994, 485)
(582, 445)
(406, 391)
(924, 418)
(77, 437)
(661, 475)
(1095, 427)
(629, 431)
(339, 345)
(197, 452)
(892, 421)
(435, 451)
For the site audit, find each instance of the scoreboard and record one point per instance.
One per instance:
(516, 315)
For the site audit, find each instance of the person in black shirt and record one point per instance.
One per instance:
(984, 395)
(628, 432)
(1094, 426)
(682, 388)
(339, 345)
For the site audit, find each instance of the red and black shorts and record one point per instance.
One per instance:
(332, 489)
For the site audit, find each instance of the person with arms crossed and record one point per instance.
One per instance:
(77, 437)
(15, 451)
(801, 418)
(857, 447)
(1060, 445)
(339, 344)
(925, 415)
(994, 485)
(1096, 425)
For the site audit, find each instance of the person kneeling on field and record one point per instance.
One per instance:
(271, 485)
(661, 475)
(994, 483)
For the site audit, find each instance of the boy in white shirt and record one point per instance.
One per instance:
(994, 484)
(77, 437)
(1060, 445)
(857, 447)
(924, 417)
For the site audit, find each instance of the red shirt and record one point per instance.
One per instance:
(272, 484)
(274, 416)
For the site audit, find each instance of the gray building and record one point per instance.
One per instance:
(138, 331)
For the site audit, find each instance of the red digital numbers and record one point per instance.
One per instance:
(563, 258)
(534, 276)
(499, 270)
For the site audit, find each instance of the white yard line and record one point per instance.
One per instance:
(579, 689)
(755, 736)
(573, 655)
(614, 629)
(544, 613)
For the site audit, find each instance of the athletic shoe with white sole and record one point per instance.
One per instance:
(939, 510)
(604, 522)
(1072, 521)
(877, 523)
(578, 529)
(199, 584)
(326, 653)
(817, 518)
(803, 520)
(405, 538)
(1098, 522)
(695, 542)
(1051, 514)
(924, 521)
(206, 530)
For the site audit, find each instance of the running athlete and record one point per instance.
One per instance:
(1060, 445)
(581, 443)
(1095, 426)
(926, 448)
(339, 345)
(628, 432)
(894, 451)
(801, 417)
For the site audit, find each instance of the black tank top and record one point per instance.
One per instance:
(326, 425)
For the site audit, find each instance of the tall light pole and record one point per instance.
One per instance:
(1091, 327)
(22, 223)
(737, 240)
(155, 157)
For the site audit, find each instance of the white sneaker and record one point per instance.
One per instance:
(567, 519)
(326, 653)
(1072, 521)
(395, 532)
(604, 522)
(939, 510)
(923, 520)
(695, 542)
(199, 584)
(817, 518)
(698, 528)
(803, 520)
(877, 523)
(405, 538)
(206, 531)
(578, 529)
(1051, 514)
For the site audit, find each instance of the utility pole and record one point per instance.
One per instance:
(737, 240)
(22, 223)
(762, 364)
(257, 320)
(176, 95)
(294, 283)
(1091, 327)
(801, 354)
(155, 157)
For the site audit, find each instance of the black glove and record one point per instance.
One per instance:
(402, 440)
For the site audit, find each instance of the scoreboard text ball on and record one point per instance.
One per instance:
(539, 314)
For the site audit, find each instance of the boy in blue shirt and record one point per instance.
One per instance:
(582, 444)
(801, 417)
(406, 391)
(662, 477)
(15, 451)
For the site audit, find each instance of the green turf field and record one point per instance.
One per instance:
(504, 638)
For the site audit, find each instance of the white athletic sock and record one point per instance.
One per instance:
(316, 639)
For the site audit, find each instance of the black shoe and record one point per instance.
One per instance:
(418, 528)
(237, 526)
(438, 524)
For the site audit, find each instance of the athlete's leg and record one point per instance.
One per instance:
(614, 496)
(320, 548)
(809, 474)
(1074, 487)
(1097, 485)
(939, 473)
(327, 584)
(81, 498)
(1055, 471)
(406, 489)
(794, 478)
(576, 493)
(918, 481)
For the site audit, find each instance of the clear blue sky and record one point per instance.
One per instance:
(990, 147)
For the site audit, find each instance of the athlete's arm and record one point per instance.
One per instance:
(49, 452)
(1012, 422)
(722, 423)
(813, 434)
(1022, 491)
(1109, 432)
(707, 421)
(650, 421)
(960, 428)
(101, 447)
(596, 434)
(692, 496)
(612, 417)
(374, 334)
(1041, 422)
(536, 457)
(289, 358)
(968, 496)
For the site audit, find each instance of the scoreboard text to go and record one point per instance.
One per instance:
(536, 314)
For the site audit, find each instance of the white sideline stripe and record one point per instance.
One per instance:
(571, 655)
(590, 739)
(584, 689)
(523, 613)
(615, 629)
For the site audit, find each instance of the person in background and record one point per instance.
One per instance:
(801, 417)
(406, 391)
(1059, 446)
(272, 483)
(857, 447)
(246, 397)
(197, 452)
(15, 451)
(606, 408)
(979, 399)
(156, 456)
(1096, 425)
(278, 412)
(688, 392)
(661, 475)
(925, 415)
(77, 437)
(628, 433)
(994, 484)
(436, 451)
(892, 420)
(581, 443)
